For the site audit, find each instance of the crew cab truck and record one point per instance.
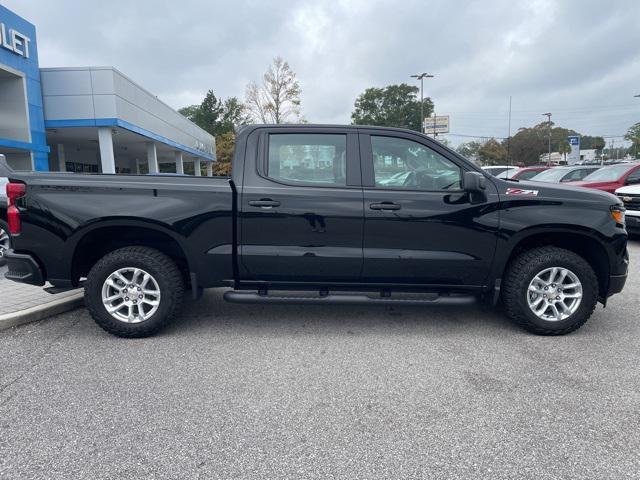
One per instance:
(323, 214)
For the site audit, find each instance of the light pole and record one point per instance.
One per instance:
(548, 115)
(421, 77)
(509, 133)
(636, 96)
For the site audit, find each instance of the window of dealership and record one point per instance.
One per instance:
(87, 119)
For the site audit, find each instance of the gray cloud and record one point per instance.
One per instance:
(578, 59)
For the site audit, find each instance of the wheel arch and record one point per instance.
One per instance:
(584, 243)
(96, 241)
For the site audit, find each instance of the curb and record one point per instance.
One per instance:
(39, 312)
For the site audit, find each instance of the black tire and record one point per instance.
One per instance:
(521, 272)
(5, 242)
(164, 271)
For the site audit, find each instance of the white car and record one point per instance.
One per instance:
(630, 196)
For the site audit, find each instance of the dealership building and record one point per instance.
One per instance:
(87, 119)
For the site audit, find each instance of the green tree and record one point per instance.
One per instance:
(588, 142)
(210, 114)
(221, 118)
(277, 99)
(234, 115)
(225, 144)
(215, 115)
(633, 135)
(190, 112)
(445, 142)
(469, 149)
(564, 148)
(492, 152)
(529, 143)
(391, 106)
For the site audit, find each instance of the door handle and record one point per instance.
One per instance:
(264, 203)
(385, 206)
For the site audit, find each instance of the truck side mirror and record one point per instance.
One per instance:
(474, 182)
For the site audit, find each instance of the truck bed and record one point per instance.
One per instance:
(62, 209)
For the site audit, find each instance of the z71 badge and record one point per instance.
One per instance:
(520, 191)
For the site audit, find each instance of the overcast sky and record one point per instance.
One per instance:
(577, 59)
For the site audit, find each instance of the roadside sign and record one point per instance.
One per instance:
(437, 124)
(574, 156)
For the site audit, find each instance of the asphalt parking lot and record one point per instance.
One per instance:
(260, 392)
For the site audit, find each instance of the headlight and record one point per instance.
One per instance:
(617, 212)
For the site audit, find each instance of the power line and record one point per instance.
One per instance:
(566, 110)
(476, 136)
(498, 137)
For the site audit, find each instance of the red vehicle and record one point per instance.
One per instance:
(612, 177)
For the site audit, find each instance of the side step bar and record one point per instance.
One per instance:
(235, 296)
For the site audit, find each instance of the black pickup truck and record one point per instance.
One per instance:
(319, 214)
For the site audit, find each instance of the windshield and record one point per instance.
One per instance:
(494, 170)
(526, 174)
(551, 175)
(507, 173)
(608, 174)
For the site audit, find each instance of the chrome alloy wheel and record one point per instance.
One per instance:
(131, 295)
(5, 242)
(554, 294)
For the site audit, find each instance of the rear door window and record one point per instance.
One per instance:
(308, 158)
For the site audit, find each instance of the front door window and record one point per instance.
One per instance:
(403, 164)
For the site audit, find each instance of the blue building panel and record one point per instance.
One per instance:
(33, 84)
(21, 55)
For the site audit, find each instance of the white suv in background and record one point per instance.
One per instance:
(630, 196)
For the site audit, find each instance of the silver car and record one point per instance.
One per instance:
(571, 173)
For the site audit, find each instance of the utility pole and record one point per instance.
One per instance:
(548, 115)
(509, 132)
(636, 145)
(421, 77)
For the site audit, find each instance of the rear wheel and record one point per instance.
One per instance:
(134, 291)
(5, 243)
(550, 291)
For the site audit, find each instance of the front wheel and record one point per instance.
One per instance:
(550, 291)
(134, 291)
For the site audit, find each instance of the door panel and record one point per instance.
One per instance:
(433, 235)
(301, 209)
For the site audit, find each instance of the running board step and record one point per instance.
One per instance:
(345, 299)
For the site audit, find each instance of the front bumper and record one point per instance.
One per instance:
(616, 284)
(632, 223)
(23, 268)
